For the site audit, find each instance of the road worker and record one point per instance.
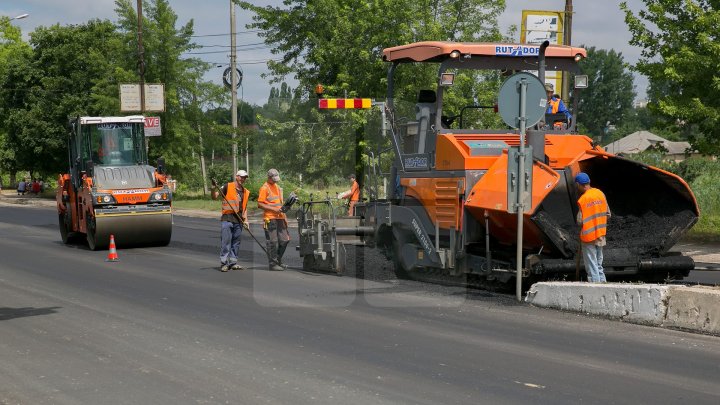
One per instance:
(352, 195)
(235, 201)
(554, 104)
(270, 200)
(592, 217)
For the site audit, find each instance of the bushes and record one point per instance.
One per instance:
(702, 175)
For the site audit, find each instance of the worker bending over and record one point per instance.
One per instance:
(270, 200)
(233, 219)
(353, 195)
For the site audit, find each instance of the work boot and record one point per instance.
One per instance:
(276, 267)
(224, 268)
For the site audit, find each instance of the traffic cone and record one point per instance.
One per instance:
(112, 254)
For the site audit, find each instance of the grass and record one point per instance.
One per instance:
(707, 229)
(197, 204)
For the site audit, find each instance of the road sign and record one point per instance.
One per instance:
(509, 100)
(152, 126)
(130, 97)
(344, 103)
(227, 79)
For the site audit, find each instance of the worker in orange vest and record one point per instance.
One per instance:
(270, 200)
(593, 216)
(555, 105)
(352, 195)
(235, 201)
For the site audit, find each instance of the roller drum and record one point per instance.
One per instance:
(131, 229)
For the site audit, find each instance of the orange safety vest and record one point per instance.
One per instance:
(594, 209)
(271, 195)
(555, 104)
(233, 202)
(355, 191)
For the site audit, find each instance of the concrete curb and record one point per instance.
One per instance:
(691, 308)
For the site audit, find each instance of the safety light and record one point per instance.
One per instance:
(319, 90)
(413, 127)
(455, 54)
(447, 79)
(100, 199)
(578, 58)
(160, 196)
(581, 81)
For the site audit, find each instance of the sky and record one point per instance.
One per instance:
(595, 23)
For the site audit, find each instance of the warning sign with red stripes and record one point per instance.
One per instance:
(346, 103)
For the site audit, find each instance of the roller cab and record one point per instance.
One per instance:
(110, 188)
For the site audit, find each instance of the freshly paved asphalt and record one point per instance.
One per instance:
(163, 326)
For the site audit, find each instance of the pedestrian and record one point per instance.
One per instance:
(35, 188)
(593, 216)
(235, 202)
(352, 195)
(22, 187)
(270, 200)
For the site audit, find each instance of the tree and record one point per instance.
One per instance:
(610, 94)
(339, 43)
(14, 52)
(680, 56)
(66, 74)
(165, 45)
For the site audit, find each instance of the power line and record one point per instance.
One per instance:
(226, 51)
(225, 35)
(252, 62)
(228, 46)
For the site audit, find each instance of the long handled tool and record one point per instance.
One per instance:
(244, 224)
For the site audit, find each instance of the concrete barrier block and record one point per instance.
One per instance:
(695, 308)
(639, 303)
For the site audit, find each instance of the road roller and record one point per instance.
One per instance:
(448, 212)
(110, 188)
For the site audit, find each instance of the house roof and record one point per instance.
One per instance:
(640, 141)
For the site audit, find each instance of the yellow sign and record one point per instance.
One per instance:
(538, 26)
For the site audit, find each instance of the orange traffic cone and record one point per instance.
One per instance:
(112, 254)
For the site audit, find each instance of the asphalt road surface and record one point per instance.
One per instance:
(163, 326)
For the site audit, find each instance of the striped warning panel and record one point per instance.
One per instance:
(334, 103)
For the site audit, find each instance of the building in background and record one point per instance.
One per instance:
(642, 141)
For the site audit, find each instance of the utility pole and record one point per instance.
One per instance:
(233, 86)
(567, 37)
(141, 57)
(141, 69)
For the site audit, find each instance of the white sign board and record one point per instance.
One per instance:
(152, 126)
(154, 97)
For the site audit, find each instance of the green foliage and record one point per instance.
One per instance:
(701, 174)
(680, 56)
(165, 43)
(609, 96)
(339, 43)
(65, 74)
(76, 69)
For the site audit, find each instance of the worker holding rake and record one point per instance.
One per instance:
(233, 219)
